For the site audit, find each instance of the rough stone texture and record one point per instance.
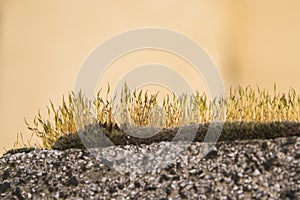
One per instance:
(258, 169)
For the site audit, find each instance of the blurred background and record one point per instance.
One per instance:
(43, 44)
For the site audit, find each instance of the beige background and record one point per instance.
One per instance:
(43, 44)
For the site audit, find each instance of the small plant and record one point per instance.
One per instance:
(20, 143)
(139, 109)
(63, 122)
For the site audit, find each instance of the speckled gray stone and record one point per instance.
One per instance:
(259, 169)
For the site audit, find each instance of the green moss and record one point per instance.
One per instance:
(20, 150)
(91, 137)
(258, 110)
(230, 131)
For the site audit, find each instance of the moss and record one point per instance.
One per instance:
(140, 109)
(68, 141)
(20, 150)
(254, 130)
(230, 131)
(91, 136)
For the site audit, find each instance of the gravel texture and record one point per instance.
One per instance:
(257, 169)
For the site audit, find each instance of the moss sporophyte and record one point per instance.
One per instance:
(250, 113)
